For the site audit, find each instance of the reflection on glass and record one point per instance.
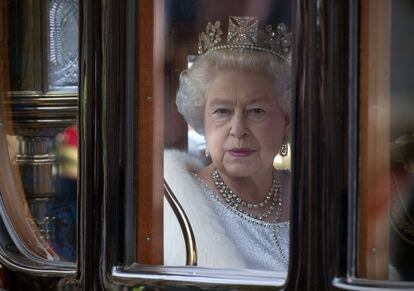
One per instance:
(235, 98)
(401, 212)
(40, 126)
(63, 208)
(386, 214)
(402, 146)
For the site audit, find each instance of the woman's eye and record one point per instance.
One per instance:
(256, 111)
(256, 114)
(222, 111)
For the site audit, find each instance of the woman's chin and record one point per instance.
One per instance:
(240, 170)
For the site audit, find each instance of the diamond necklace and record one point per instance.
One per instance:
(271, 202)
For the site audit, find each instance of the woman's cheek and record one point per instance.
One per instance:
(217, 143)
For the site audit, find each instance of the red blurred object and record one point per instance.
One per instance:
(71, 136)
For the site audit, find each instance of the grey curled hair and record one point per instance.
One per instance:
(194, 82)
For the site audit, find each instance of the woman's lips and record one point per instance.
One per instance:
(241, 153)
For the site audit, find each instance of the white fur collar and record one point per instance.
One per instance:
(214, 248)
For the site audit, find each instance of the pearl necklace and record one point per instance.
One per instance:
(271, 202)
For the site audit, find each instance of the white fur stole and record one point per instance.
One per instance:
(214, 248)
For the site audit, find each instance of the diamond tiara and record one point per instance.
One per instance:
(243, 33)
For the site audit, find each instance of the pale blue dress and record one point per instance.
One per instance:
(264, 245)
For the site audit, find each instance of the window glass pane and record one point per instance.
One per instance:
(385, 235)
(39, 126)
(227, 130)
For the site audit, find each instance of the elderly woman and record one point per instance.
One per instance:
(237, 95)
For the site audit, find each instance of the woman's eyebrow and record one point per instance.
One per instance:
(220, 101)
(257, 101)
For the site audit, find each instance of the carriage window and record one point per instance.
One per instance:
(226, 77)
(38, 126)
(386, 229)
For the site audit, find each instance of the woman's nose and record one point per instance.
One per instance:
(238, 127)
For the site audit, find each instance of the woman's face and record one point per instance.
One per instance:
(244, 123)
